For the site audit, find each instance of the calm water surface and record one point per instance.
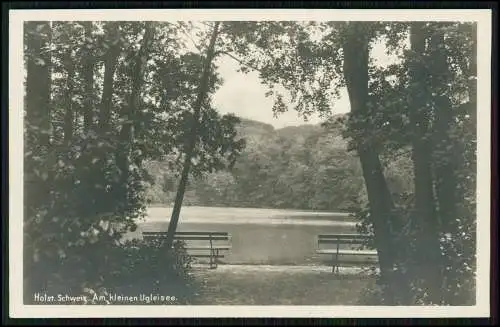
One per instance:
(258, 236)
(223, 215)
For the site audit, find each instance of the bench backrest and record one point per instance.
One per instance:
(189, 236)
(342, 239)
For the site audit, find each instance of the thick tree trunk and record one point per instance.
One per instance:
(127, 132)
(88, 77)
(428, 259)
(356, 54)
(202, 93)
(110, 196)
(110, 62)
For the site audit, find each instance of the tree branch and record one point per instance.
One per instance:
(192, 41)
(240, 61)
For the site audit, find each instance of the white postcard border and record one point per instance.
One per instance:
(19, 310)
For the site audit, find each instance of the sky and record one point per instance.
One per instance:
(244, 95)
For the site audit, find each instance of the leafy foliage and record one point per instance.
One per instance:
(89, 132)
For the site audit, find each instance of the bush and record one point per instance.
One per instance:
(458, 258)
(135, 270)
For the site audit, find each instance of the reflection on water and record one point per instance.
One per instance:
(218, 215)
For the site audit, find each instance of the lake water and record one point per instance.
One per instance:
(221, 215)
(258, 236)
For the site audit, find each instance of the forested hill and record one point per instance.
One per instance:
(257, 132)
(299, 167)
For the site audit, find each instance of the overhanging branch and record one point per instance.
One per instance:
(240, 61)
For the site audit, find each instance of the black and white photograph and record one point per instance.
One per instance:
(244, 163)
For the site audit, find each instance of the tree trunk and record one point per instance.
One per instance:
(38, 123)
(445, 154)
(356, 54)
(127, 132)
(88, 77)
(69, 113)
(428, 261)
(202, 93)
(473, 70)
(110, 62)
(110, 195)
(38, 82)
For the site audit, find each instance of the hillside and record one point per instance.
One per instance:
(300, 167)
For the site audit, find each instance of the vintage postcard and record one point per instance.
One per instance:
(249, 163)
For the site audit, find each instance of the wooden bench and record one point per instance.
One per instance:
(211, 244)
(340, 243)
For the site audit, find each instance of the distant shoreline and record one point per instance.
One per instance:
(321, 212)
(222, 215)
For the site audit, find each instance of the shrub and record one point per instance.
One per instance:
(458, 259)
(130, 269)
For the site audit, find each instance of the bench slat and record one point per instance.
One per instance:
(208, 248)
(188, 233)
(202, 233)
(161, 234)
(207, 256)
(189, 238)
(201, 238)
(358, 252)
(357, 262)
(341, 241)
(344, 236)
(347, 252)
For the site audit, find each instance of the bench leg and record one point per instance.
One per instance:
(216, 258)
(213, 264)
(333, 264)
(337, 258)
